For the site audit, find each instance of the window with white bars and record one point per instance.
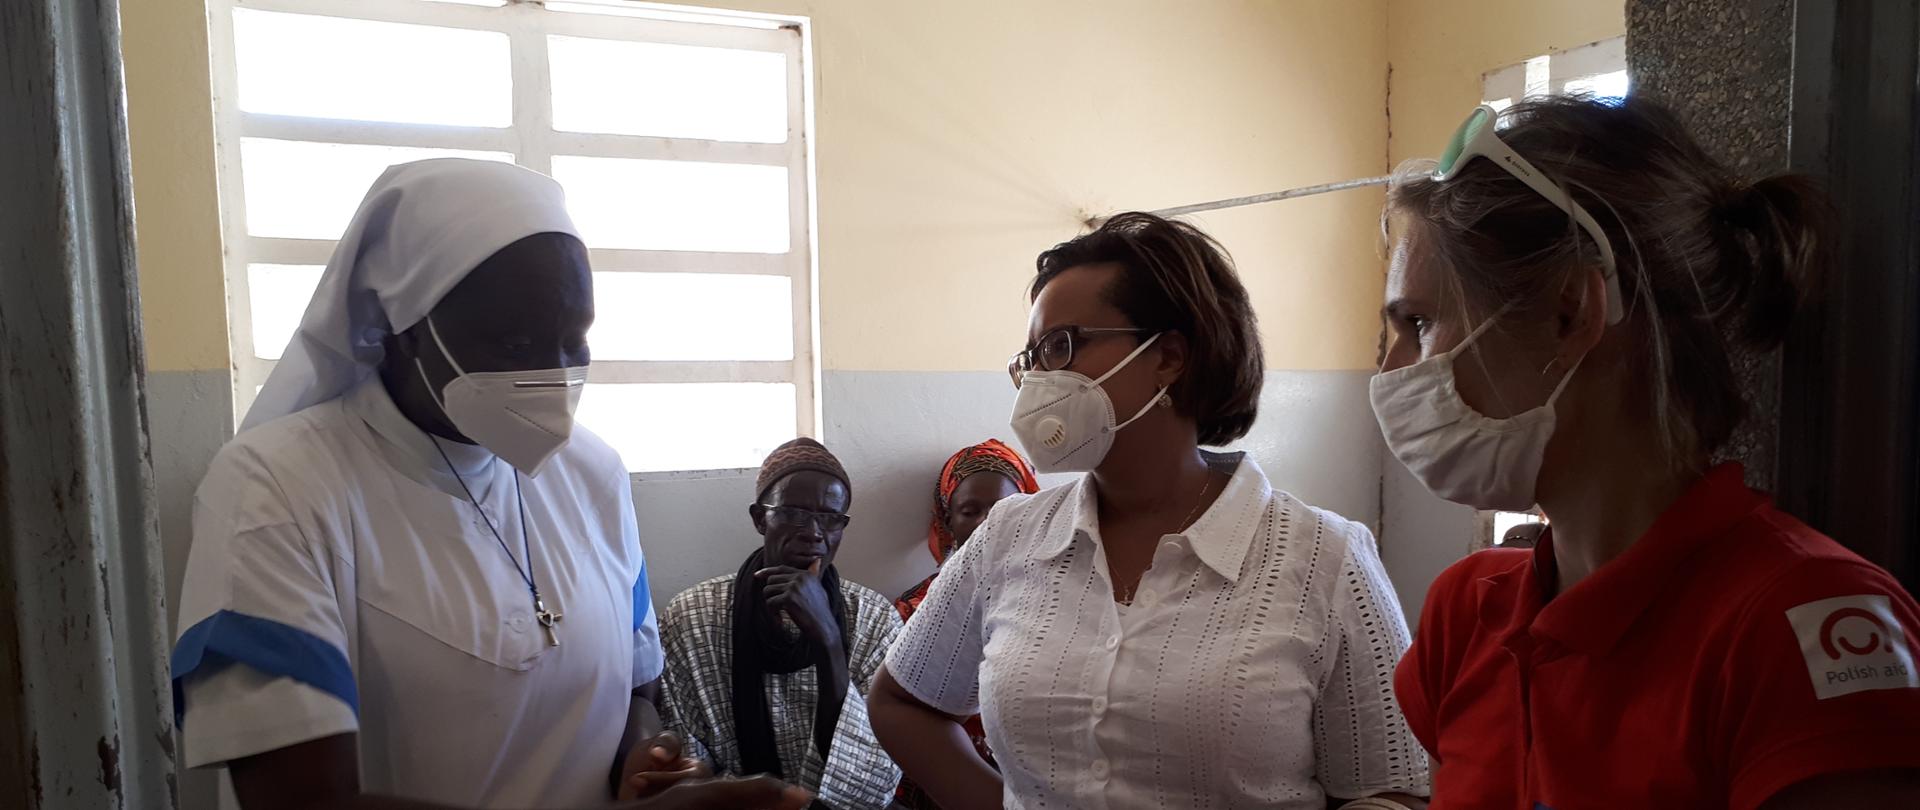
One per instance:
(682, 139)
(1598, 70)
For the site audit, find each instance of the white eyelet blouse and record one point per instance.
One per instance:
(1254, 668)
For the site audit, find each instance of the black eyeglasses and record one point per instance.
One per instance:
(797, 517)
(1054, 350)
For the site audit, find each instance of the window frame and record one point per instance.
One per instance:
(1549, 73)
(533, 142)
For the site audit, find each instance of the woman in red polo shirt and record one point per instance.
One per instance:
(1674, 640)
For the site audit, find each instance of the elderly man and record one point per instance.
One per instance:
(768, 668)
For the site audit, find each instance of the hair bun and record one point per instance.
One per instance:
(1776, 235)
(1742, 205)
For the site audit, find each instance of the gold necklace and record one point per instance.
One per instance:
(1185, 523)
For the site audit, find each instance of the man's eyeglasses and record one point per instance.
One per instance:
(1054, 350)
(797, 517)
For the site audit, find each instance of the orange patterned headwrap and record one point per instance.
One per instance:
(988, 456)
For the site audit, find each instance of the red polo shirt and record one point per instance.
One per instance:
(1728, 654)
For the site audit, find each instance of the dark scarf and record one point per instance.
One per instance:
(756, 656)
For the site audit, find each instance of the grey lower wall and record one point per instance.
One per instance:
(893, 429)
(1316, 438)
(1420, 535)
(189, 415)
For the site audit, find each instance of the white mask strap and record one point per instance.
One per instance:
(1142, 412)
(431, 392)
(1137, 351)
(435, 331)
(1123, 364)
(428, 381)
(1562, 385)
(1129, 359)
(1476, 333)
(1482, 328)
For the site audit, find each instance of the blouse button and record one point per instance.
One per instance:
(1113, 642)
(1099, 706)
(1100, 769)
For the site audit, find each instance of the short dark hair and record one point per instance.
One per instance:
(1175, 278)
(1704, 258)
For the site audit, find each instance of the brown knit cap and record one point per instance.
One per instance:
(800, 455)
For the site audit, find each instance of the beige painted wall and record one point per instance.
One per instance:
(176, 203)
(955, 142)
(1440, 51)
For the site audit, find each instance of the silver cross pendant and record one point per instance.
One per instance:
(548, 619)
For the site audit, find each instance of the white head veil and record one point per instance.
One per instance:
(422, 227)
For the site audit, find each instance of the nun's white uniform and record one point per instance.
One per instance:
(341, 580)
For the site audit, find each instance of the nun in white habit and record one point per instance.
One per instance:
(414, 582)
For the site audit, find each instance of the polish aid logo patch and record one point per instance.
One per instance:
(1853, 644)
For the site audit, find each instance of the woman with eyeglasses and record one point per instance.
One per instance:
(768, 669)
(1168, 630)
(1561, 316)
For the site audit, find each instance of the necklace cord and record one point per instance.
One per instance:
(526, 574)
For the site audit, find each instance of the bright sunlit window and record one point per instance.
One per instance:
(1504, 522)
(681, 138)
(1598, 70)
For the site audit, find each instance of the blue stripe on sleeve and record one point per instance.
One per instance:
(642, 598)
(280, 650)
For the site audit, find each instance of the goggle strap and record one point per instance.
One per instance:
(1485, 142)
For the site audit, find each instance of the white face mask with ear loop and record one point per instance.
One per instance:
(1458, 453)
(524, 417)
(1065, 421)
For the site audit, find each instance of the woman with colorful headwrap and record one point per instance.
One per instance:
(961, 500)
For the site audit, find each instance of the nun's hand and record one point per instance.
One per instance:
(656, 765)
(757, 793)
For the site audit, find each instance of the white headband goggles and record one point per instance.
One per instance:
(1476, 138)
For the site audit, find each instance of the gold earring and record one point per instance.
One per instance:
(1165, 401)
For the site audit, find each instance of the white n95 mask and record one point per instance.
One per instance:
(523, 417)
(1461, 454)
(1065, 421)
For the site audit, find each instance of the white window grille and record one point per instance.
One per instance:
(1598, 69)
(683, 138)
